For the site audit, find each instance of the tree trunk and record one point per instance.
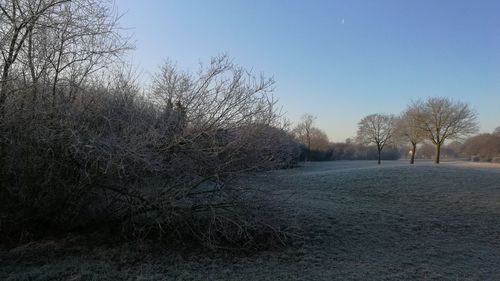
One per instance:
(438, 152)
(54, 90)
(308, 148)
(3, 89)
(413, 151)
(379, 152)
(3, 99)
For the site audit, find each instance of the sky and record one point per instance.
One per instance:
(338, 60)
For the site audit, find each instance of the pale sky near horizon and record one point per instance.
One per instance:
(338, 60)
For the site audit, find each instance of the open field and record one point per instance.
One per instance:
(360, 222)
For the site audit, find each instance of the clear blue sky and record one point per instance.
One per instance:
(338, 60)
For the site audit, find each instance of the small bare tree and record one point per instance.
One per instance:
(303, 131)
(408, 129)
(443, 119)
(376, 129)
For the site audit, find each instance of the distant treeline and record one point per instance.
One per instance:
(348, 151)
(482, 147)
(432, 129)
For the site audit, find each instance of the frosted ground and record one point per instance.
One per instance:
(360, 221)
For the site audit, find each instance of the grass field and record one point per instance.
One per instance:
(360, 221)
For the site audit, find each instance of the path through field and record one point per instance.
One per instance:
(361, 221)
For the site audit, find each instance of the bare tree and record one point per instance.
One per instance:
(407, 128)
(443, 119)
(303, 131)
(87, 39)
(376, 129)
(57, 40)
(51, 44)
(17, 21)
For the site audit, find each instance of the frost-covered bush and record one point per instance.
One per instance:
(157, 164)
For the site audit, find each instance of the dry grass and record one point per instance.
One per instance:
(360, 222)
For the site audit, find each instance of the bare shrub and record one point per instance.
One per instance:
(113, 157)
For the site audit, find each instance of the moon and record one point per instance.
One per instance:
(342, 21)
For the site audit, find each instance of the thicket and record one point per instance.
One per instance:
(83, 147)
(483, 147)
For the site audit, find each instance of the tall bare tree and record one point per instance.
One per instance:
(444, 119)
(87, 39)
(52, 44)
(407, 128)
(61, 41)
(376, 129)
